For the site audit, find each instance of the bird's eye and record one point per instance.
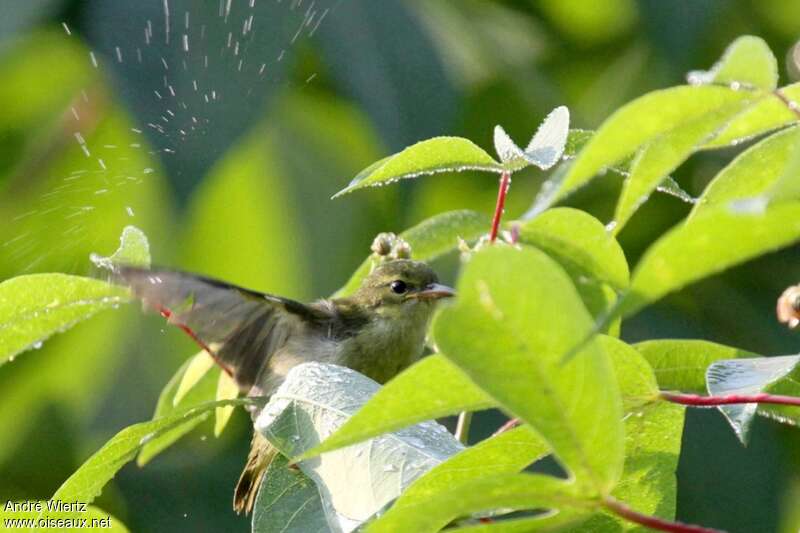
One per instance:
(398, 286)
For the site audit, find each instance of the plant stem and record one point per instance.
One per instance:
(510, 424)
(697, 400)
(653, 522)
(505, 182)
(462, 427)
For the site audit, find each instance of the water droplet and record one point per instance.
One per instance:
(36, 345)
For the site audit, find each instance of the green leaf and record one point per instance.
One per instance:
(579, 242)
(680, 365)
(747, 61)
(506, 453)
(227, 389)
(34, 307)
(356, 482)
(635, 377)
(202, 391)
(505, 491)
(433, 156)
(773, 375)
(707, 244)
(641, 121)
(429, 240)
(585, 250)
(752, 173)
(191, 374)
(134, 249)
(288, 502)
(86, 483)
(663, 155)
(509, 331)
(652, 450)
(766, 114)
(431, 388)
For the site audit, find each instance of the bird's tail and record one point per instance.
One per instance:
(261, 455)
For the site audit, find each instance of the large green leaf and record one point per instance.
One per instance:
(516, 317)
(430, 239)
(585, 250)
(432, 156)
(641, 121)
(503, 491)
(707, 244)
(663, 155)
(505, 453)
(579, 242)
(768, 113)
(86, 483)
(34, 307)
(753, 173)
(635, 377)
(648, 485)
(432, 388)
(747, 61)
(680, 365)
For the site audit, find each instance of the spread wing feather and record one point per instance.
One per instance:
(240, 328)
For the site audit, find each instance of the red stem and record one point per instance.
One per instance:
(510, 424)
(697, 400)
(653, 522)
(505, 182)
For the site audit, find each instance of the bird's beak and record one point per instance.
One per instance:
(434, 291)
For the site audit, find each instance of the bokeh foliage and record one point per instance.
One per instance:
(385, 77)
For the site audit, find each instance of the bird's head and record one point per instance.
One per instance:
(401, 286)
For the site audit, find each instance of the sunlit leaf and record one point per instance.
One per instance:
(641, 121)
(357, 481)
(753, 174)
(663, 155)
(747, 61)
(34, 307)
(774, 375)
(133, 250)
(768, 113)
(680, 364)
(509, 330)
(574, 237)
(506, 453)
(191, 374)
(430, 239)
(433, 156)
(431, 388)
(652, 450)
(504, 491)
(707, 244)
(227, 389)
(635, 377)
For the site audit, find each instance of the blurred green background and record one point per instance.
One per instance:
(229, 169)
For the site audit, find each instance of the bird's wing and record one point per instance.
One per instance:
(239, 328)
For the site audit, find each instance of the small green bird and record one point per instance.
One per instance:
(257, 338)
